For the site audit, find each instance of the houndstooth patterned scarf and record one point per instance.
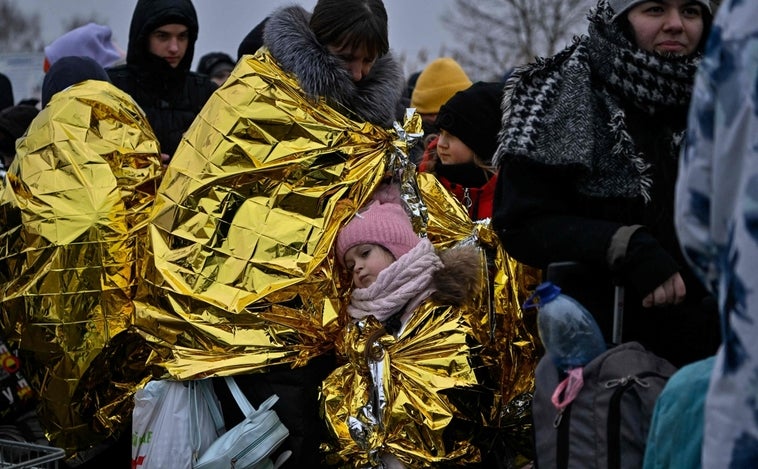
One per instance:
(566, 111)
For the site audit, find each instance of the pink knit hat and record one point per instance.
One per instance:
(385, 224)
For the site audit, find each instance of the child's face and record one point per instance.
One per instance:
(451, 150)
(365, 261)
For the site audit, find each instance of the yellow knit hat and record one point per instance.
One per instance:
(439, 81)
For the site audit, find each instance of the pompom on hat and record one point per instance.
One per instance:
(383, 222)
(437, 83)
(620, 7)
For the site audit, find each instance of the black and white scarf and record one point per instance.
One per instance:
(566, 110)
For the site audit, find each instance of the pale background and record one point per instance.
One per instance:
(413, 24)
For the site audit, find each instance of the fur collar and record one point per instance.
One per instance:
(320, 74)
(458, 281)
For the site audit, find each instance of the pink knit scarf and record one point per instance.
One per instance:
(407, 281)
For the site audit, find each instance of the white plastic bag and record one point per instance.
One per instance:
(162, 419)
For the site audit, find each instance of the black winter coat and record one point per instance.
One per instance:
(171, 97)
(542, 218)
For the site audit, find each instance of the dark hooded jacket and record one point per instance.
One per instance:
(171, 97)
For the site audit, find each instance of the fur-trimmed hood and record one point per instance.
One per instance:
(458, 281)
(320, 74)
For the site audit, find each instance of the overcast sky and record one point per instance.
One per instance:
(413, 24)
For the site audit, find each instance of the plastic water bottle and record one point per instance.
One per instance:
(568, 331)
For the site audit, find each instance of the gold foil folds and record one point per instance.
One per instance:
(233, 271)
(240, 276)
(73, 212)
(466, 368)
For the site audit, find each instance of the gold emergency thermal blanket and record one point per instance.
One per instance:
(464, 368)
(73, 210)
(228, 266)
(240, 276)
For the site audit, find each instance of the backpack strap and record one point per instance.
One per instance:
(562, 446)
(614, 414)
(245, 406)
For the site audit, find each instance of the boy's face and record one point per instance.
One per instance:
(667, 27)
(451, 150)
(170, 42)
(365, 261)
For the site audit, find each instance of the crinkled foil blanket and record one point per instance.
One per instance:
(114, 273)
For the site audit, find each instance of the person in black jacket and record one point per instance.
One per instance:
(157, 72)
(588, 162)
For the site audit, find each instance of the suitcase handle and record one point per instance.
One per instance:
(560, 272)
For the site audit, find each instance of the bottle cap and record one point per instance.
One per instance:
(545, 292)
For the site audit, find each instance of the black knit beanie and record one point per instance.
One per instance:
(473, 115)
(69, 71)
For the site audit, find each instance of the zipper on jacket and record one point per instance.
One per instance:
(467, 199)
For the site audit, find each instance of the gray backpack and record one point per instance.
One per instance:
(606, 426)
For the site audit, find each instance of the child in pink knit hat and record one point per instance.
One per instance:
(401, 281)
(390, 265)
(375, 238)
(393, 269)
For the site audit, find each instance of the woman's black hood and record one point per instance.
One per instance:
(151, 14)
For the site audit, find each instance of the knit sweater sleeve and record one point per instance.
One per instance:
(535, 218)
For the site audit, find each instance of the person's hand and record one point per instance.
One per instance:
(670, 292)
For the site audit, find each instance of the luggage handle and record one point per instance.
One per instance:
(618, 314)
(571, 268)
